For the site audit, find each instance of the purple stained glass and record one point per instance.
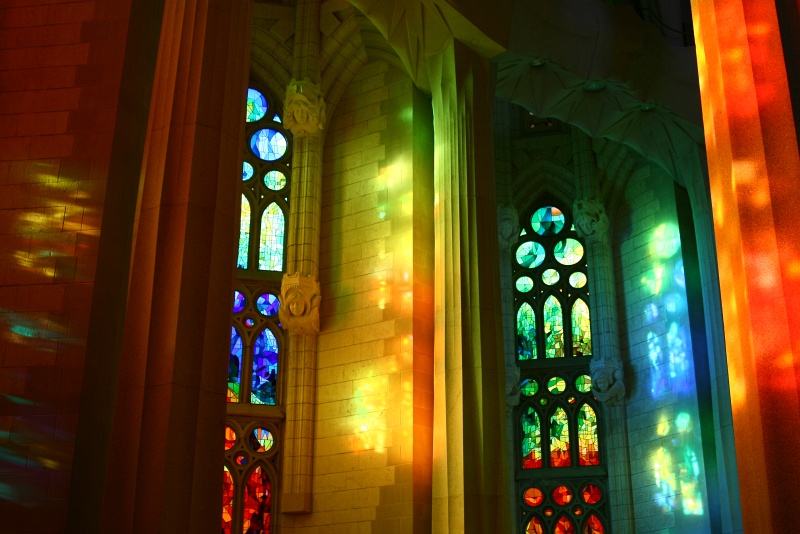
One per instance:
(234, 366)
(267, 304)
(238, 301)
(265, 369)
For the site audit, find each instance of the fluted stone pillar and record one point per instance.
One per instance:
(591, 223)
(304, 113)
(469, 484)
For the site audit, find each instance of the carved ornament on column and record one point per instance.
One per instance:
(591, 220)
(512, 387)
(304, 108)
(507, 226)
(299, 309)
(607, 380)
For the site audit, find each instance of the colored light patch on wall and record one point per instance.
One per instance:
(553, 328)
(548, 220)
(581, 329)
(227, 501)
(559, 439)
(256, 105)
(666, 241)
(588, 443)
(268, 144)
(244, 234)
(257, 502)
(234, 366)
(526, 332)
(270, 251)
(530, 254)
(531, 440)
(568, 251)
(265, 369)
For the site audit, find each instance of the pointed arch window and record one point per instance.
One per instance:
(254, 420)
(560, 474)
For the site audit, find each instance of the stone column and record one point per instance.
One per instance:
(470, 468)
(591, 223)
(154, 462)
(304, 115)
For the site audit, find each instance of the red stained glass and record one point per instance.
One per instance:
(548, 511)
(577, 510)
(588, 443)
(593, 526)
(591, 494)
(257, 502)
(534, 526)
(564, 526)
(227, 501)
(533, 496)
(562, 495)
(230, 438)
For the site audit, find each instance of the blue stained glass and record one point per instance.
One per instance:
(277, 119)
(256, 105)
(267, 304)
(526, 332)
(268, 144)
(265, 369)
(235, 366)
(247, 171)
(244, 234)
(238, 301)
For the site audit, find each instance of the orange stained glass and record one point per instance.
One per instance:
(593, 526)
(559, 439)
(257, 502)
(534, 526)
(564, 526)
(591, 494)
(533, 496)
(227, 501)
(562, 495)
(230, 438)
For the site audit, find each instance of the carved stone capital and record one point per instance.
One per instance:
(512, 387)
(507, 226)
(591, 221)
(299, 309)
(607, 380)
(304, 108)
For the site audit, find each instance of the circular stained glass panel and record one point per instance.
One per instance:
(262, 440)
(275, 180)
(550, 277)
(547, 221)
(267, 304)
(577, 280)
(533, 496)
(256, 105)
(562, 495)
(524, 284)
(528, 387)
(268, 144)
(556, 385)
(591, 494)
(238, 301)
(249, 322)
(247, 171)
(568, 251)
(530, 254)
(240, 460)
(583, 383)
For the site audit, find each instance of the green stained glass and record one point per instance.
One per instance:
(588, 447)
(547, 221)
(556, 385)
(559, 439)
(234, 366)
(256, 105)
(581, 330)
(577, 280)
(531, 440)
(524, 284)
(244, 234)
(553, 328)
(530, 254)
(275, 180)
(568, 251)
(528, 387)
(277, 119)
(268, 144)
(523, 232)
(583, 383)
(550, 277)
(247, 171)
(270, 251)
(526, 332)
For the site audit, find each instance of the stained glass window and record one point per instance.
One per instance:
(559, 439)
(547, 221)
(257, 501)
(530, 254)
(524, 284)
(244, 233)
(268, 144)
(256, 105)
(270, 250)
(534, 526)
(265, 369)
(588, 445)
(531, 441)
(526, 332)
(261, 440)
(553, 328)
(564, 526)
(247, 171)
(275, 180)
(227, 501)
(594, 525)
(234, 366)
(581, 333)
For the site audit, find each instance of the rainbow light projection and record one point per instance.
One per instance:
(677, 470)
